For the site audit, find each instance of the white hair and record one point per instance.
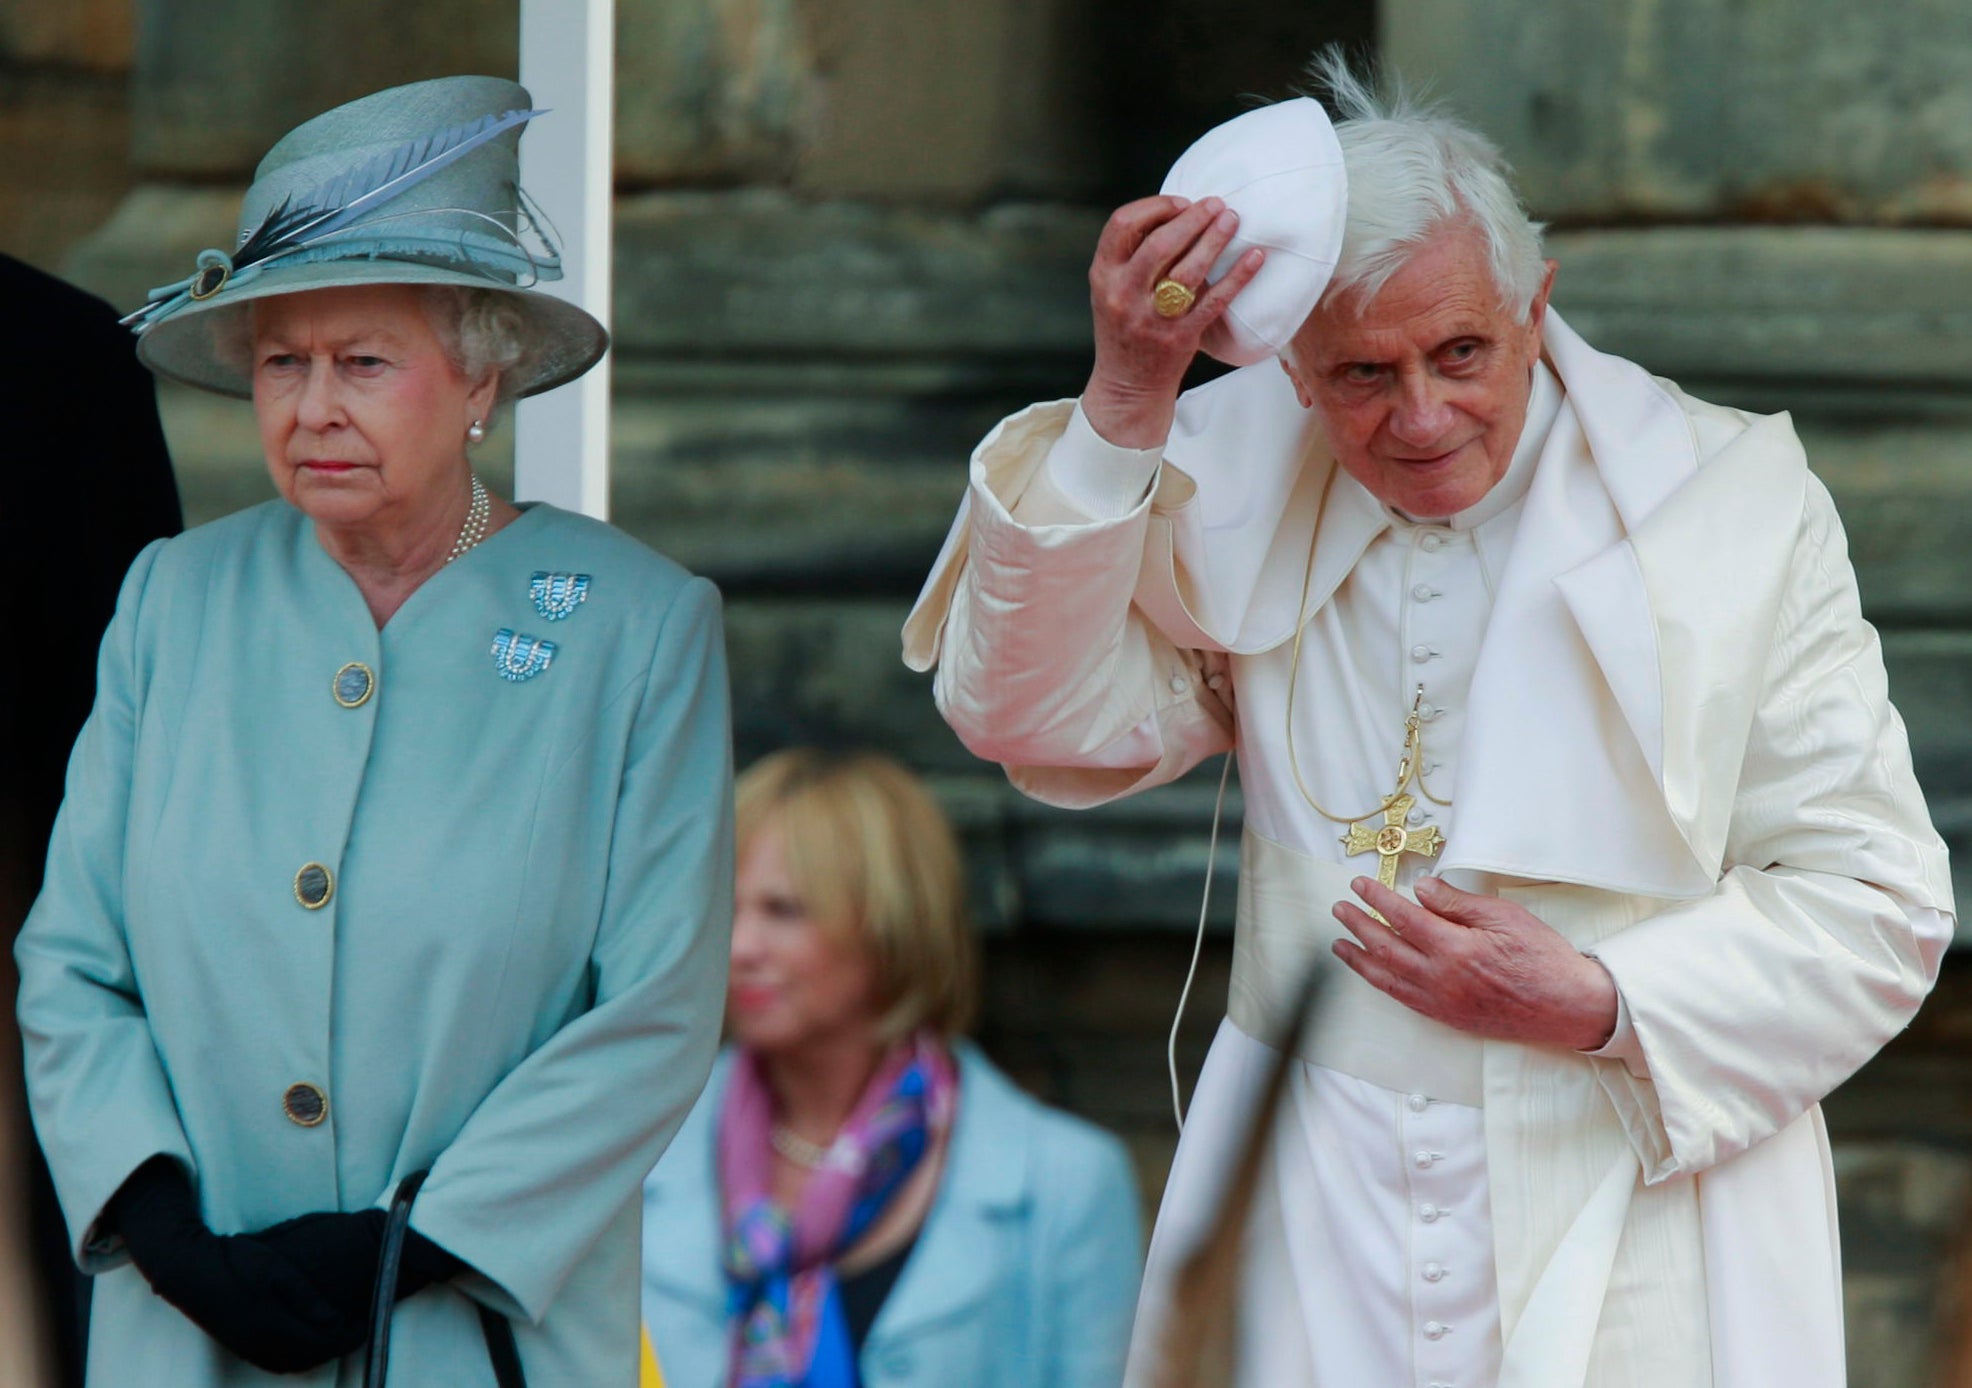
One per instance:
(1414, 170)
(482, 330)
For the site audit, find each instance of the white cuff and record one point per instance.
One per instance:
(1094, 476)
(1622, 1043)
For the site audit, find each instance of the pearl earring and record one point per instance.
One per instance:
(476, 431)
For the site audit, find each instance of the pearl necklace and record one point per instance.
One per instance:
(478, 512)
(797, 1148)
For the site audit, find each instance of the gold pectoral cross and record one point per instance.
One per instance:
(1392, 840)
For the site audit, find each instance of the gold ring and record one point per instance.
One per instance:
(1171, 299)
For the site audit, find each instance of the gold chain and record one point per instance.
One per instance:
(1410, 765)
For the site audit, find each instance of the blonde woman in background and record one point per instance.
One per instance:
(860, 1197)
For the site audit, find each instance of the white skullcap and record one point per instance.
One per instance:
(1280, 169)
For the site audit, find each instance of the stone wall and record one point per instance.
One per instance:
(64, 122)
(218, 81)
(1711, 110)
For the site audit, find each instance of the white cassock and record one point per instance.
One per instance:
(1660, 723)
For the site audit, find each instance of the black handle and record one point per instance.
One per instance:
(383, 1301)
(500, 1347)
(499, 1333)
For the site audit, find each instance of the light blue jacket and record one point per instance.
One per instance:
(1024, 1274)
(516, 982)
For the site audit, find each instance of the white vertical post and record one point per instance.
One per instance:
(567, 63)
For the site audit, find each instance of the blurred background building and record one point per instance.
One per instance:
(851, 234)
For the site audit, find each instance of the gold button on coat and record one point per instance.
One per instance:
(305, 1105)
(354, 684)
(314, 885)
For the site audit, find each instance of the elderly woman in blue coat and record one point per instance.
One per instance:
(860, 1198)
(398, 840)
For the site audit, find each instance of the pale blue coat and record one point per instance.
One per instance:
(517, 982)
(1024, 1274)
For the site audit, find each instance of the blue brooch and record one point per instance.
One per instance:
(557, 595)
(518, 658)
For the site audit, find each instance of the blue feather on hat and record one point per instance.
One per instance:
(295, 231)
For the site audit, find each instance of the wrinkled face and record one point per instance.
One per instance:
(795, 981)
(362, 414)
(1423, 393)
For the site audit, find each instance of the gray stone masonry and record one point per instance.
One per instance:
(218, 81)
(64, 122)
(1701, 110)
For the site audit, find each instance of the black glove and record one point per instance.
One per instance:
(338, 1253)
(287, 1299)
(242, 1293)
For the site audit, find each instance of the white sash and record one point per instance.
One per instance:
(1285, 927)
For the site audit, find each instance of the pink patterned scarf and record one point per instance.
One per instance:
(790, 1331)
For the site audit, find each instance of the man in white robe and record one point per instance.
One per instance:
(1559, 1124)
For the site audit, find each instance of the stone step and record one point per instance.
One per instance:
(1829, 316)
(1827, 311)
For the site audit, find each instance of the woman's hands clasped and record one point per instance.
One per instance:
(1142, 356)
(285, 1299)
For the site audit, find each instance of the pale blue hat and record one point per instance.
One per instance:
(413, 185)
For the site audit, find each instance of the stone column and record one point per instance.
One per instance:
(64, 122)
(218, 81)
(1813, 111)
(939, 101)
